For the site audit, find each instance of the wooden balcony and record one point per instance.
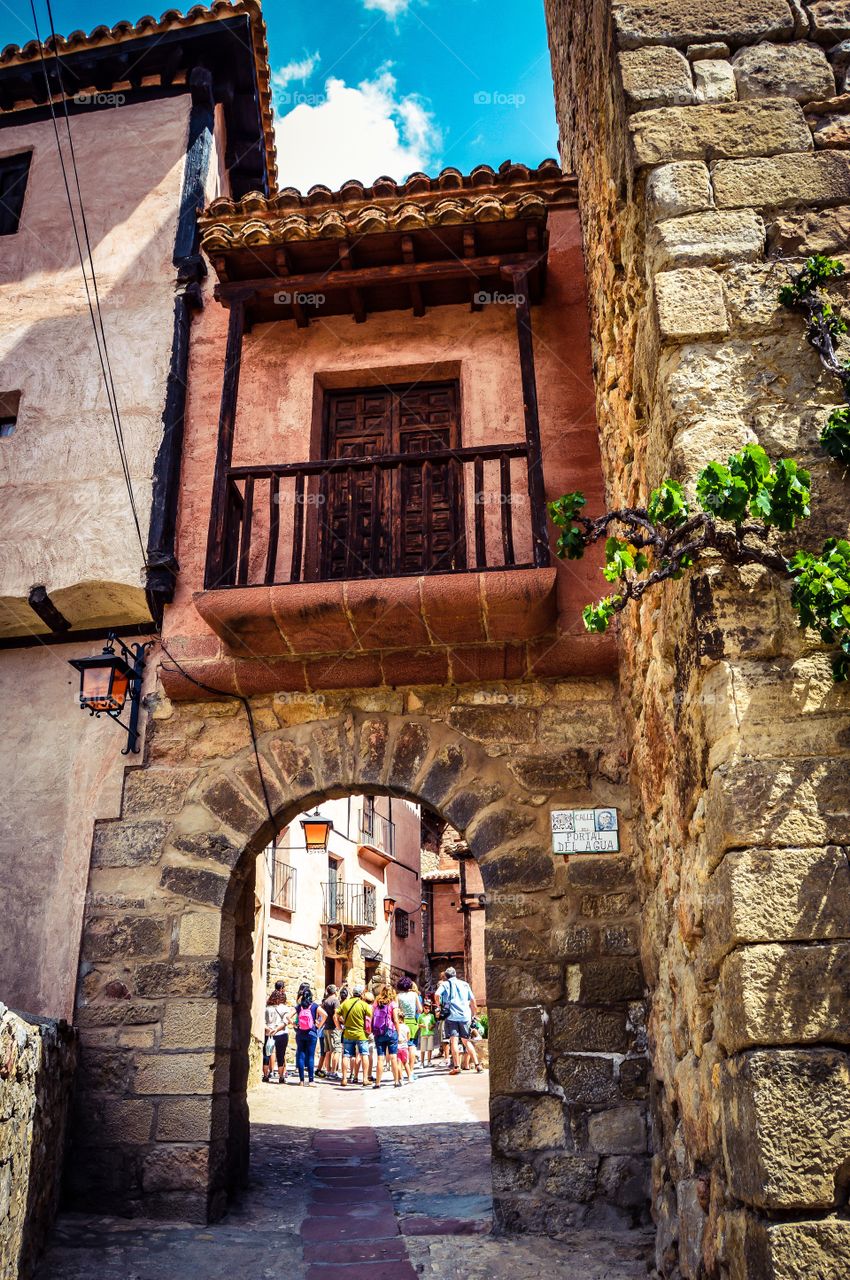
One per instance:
(377, 838)
(391, 515)
(353, 907)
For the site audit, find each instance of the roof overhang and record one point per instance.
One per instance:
(422, 243)
(153, 59)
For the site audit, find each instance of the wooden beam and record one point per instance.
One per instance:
(43, 606)
(536, 490)
(409, 256)
(224, 450)
(363, 277)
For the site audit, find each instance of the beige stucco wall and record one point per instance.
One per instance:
(61, 769)
(65, 520)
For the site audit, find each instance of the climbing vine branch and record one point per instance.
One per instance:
(825, 326)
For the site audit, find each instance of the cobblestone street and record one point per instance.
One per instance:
(350, 1183)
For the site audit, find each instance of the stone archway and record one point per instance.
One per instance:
(164, 1011)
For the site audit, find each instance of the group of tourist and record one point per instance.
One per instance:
(353, 1036)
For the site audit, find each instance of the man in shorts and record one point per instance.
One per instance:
(457, 995)
(351, 1019)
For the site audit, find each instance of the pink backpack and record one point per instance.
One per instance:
(306, 1019)
(382, 1019)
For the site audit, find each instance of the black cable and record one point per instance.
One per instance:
(103, 354)
(221, 693)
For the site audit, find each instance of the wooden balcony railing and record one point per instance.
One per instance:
(378, 832)
(284, 880)
(352, 905)
(390, 515)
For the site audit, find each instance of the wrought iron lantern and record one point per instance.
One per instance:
(317, 832)
(389, 908)
(108, 680)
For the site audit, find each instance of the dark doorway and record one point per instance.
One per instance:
(400, 520)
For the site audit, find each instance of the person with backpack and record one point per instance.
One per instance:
(457, 1009)
(353, 1020)
(309, 1020)
(277, 1036)
(329, 1064)
(385, 1024)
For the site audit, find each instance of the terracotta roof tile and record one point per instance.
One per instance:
(171, 20)
(485, 195)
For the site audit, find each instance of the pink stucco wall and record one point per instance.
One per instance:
(284, 367)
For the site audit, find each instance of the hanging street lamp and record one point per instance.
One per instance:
(317, 831)
(389, 908)
(108, 680)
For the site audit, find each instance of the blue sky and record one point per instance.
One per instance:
(365, 87)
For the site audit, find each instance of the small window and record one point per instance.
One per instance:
(13, 184)
(9, 405)
(402, 924)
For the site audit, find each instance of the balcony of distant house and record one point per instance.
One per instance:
(409, 541)
(349, 908)
(376, 842)
(283, 890)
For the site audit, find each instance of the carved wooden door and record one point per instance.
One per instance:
(395, 520)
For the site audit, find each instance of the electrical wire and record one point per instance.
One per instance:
(221, 693)
(95, 311)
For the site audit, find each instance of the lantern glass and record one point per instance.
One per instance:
(316, 833)
(104, 683)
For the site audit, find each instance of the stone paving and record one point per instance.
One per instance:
(348, 1184)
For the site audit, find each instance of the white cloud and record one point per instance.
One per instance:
(392, 8)
(361, 132)
(295, 71)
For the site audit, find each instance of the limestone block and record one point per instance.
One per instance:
(681, 187)
(174, 1073)
(784, 994)
(765, 895)
(185, 1120)
(706, 239)
(810, 231)
(704, 52)
(786, 1126)
(794, 1250)
(782, 181)
(620, 1131)
(570, 1177)
(690, 304)
(684, 22)
(172, 1168)
(127, 844)
(797, 70)
(839, 57)
(189, 1024)
(199, 933)
(131, 935)
(830, 19)
(586, 1079)
(778, 803)
(517, 1063)
(588, 1030)
(831, 129)
(714, 131)
(605, 981)
(752, 295)
(714, 81)
(656, 77)
(528, 1124)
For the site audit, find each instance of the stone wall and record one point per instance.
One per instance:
(710, 141)
(293, 963)
(37, 1060)
(164, 997)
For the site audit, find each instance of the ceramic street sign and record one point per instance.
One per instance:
(585, 831)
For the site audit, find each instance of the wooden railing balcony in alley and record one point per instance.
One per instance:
(393, 515)
(352, 906)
